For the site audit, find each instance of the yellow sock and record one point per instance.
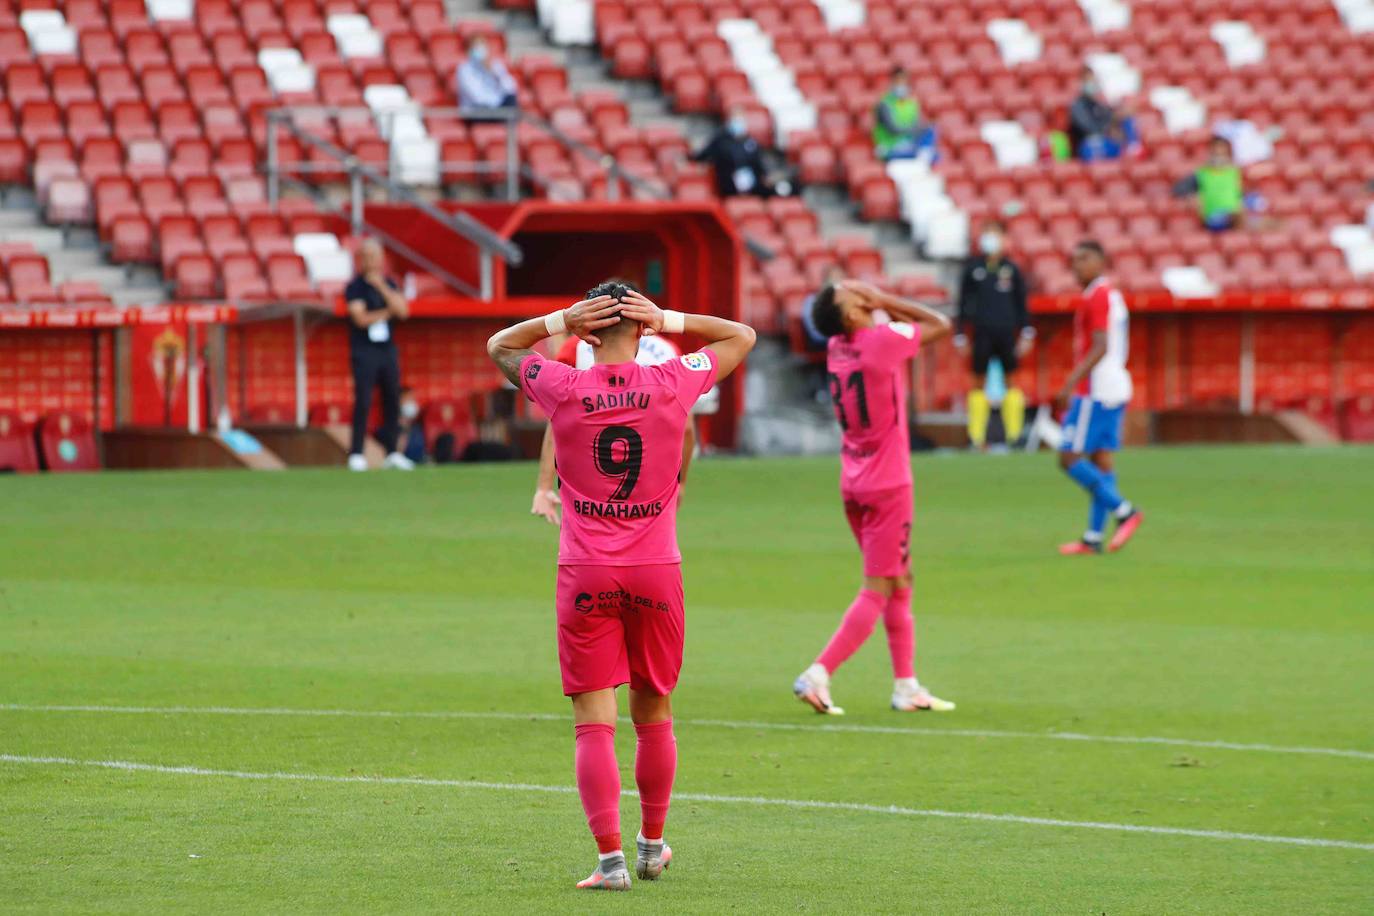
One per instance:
(1013, 414)
(978, 414)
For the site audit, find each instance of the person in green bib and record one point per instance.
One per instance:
(1220, 189)
(898, 131)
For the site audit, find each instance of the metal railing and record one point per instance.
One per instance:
(511, 169)
(360, 174)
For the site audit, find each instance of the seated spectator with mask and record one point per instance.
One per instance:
(1097, 129)
(898, 131)
(737, 160)
(483, 81)
(410, 439)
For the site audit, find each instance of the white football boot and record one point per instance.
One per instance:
(812, 687)
(610, 875)
(653, 858)
(909, 696)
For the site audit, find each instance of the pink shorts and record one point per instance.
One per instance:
(881, 522)
(618, 625)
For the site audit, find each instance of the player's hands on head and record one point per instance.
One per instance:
(548, 505)
(636, 307)
(590, 315)
(869, 296)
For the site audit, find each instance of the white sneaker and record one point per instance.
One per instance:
(398, 462)
(357, 462)
(812, 687)
(909, 696)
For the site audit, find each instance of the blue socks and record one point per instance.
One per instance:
(1097, 513)
(1101, 486)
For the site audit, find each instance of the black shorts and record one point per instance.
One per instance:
(998, 342)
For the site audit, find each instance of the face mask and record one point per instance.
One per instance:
(1090, 87)
(739, 127)
(410, 410)
(901, 92)
(479, 53)
(990, 243)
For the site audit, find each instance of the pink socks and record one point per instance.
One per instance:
(856, 627)
(901, 633)
(598, 778)
(598, 782)
(655, 766)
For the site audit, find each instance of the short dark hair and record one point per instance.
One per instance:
(614, 287)
(899, 72)
(825, 312)
(617, 288)
(1092, 245)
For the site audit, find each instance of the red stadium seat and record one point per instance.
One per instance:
(243, 279)
(68, 443)
(131, 240)
(28, 278)
(14, 161)
(287, 278)
(194, 277)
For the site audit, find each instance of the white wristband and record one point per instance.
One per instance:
(673, 322)
(554, 323)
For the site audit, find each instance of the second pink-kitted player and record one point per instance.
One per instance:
(872, 338)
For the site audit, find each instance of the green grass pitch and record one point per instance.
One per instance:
(1243, 614)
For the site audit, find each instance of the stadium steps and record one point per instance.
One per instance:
(76, 255)
(785, 416)
(469, 10)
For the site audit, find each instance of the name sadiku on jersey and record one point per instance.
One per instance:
(639, 400)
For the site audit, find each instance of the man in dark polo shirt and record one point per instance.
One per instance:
(374, 304)
(992, 310)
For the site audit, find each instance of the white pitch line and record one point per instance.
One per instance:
(134, 767)
(706, 723)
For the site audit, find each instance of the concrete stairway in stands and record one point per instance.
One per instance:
(75, 254)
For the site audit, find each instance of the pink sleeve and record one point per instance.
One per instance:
(546, 382)
(889, 344)
(693, 374)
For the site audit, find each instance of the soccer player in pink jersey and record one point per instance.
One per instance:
(617, 431)
(1100, 387)
(867, 359)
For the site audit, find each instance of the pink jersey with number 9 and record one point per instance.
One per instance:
(617, 432)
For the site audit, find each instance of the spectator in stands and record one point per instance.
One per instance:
(1220, 188)
(992, 311)
(736, 159)
(483, 81)
(410, 439)
(374, 301)
(1099, 130)
(898, 131)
